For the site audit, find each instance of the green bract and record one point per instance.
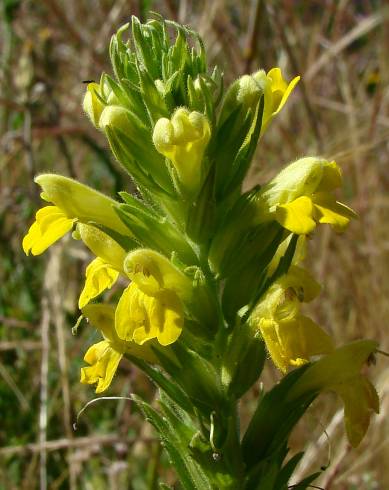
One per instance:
(205, 280)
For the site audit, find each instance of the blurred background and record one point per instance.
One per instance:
(339, 110)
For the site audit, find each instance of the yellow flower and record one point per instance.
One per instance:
(339, 372)
(103, 271)
(301, 196)
(50, 225)
(292, 342)
(80, 201)
(276, 93)
(104, 357)
(152, 305)
(183, 140)
(290, 337)
(72, 202)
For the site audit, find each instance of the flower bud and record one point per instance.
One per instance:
(183, 139)
(79, 201)
(92, 105)
(116, 117)
(249, 91)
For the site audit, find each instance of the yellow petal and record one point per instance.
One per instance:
(296, 216)
(287, 93)
(102, 317)
(80, 201)
(360, 399)
(341, 365)
(140, 317)
(331, 179)
(152, 272)
(299, 178)
(268, 329)
(129, 313)
(303, 283)
(173, 318)
(332, 212)
(99, 277)
(51, 224)
(294, 341)
(103, 360)
(102, 245)
(281, 90)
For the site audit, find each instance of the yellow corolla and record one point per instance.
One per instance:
(50, 224)
(104, 357)
(99, 276)
(73, 202)
(340, 372)
(140, 317)
(103, 271)
(152, 306)
(302, 195)
(276, 92)
(290, 337)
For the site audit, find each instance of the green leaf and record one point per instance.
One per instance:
(263, 475)
(234, 295)
(168, 386)
(225, 146)
(196, 376)
(287, 471)
(306, 483)
(248, 368)
(246, 152)
(273, 420)
(174, 440)
(143, 48)
(155, 232)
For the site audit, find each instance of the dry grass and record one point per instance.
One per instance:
(340, 110)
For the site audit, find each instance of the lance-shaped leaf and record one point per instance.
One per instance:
(274, 419)
(174, 438)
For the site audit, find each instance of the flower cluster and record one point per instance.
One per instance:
(210, 276)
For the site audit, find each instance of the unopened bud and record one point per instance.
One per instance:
(183, 139)
(92, 105)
